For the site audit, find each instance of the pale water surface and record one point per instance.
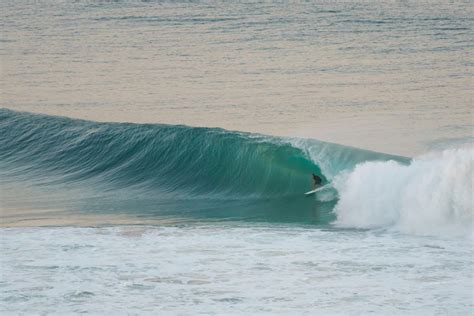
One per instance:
(391, 76)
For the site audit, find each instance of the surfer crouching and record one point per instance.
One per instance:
(316, 181)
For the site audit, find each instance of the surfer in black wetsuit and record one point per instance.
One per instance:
(316, 181)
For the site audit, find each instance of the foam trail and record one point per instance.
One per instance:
(431, 195)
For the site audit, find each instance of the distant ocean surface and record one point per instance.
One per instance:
(154, 158)
(389, 76)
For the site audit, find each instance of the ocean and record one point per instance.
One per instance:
(154, 158)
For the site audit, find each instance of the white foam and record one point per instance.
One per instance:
(232, 269)
(431, 195)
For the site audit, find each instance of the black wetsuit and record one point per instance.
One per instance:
(317, 180)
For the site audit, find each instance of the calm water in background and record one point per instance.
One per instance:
(387, 76)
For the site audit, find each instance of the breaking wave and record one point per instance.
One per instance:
(175, 170)
(431, 195)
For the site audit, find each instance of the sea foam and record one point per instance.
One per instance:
(431, 195)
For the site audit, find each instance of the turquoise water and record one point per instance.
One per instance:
(154, 158)
(164, 170)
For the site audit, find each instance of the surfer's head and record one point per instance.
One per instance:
(316, 179)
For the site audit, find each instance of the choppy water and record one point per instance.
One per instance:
(171, 218)
(233, 269)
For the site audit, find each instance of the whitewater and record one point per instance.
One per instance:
(432, 195)
(232, 269)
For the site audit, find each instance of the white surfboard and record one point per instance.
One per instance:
(316, 190)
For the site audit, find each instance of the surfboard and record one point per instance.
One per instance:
(315, 190)
(312, 191)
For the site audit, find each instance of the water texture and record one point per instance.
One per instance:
(389, 76)
(229, 269)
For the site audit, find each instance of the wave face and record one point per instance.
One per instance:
(158, 169)
(431, 195)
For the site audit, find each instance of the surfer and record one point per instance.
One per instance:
(316, 181)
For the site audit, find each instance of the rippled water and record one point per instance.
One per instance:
(388, 76)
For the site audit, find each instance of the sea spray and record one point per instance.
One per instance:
(431, 195)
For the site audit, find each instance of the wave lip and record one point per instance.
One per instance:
(431, 195)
